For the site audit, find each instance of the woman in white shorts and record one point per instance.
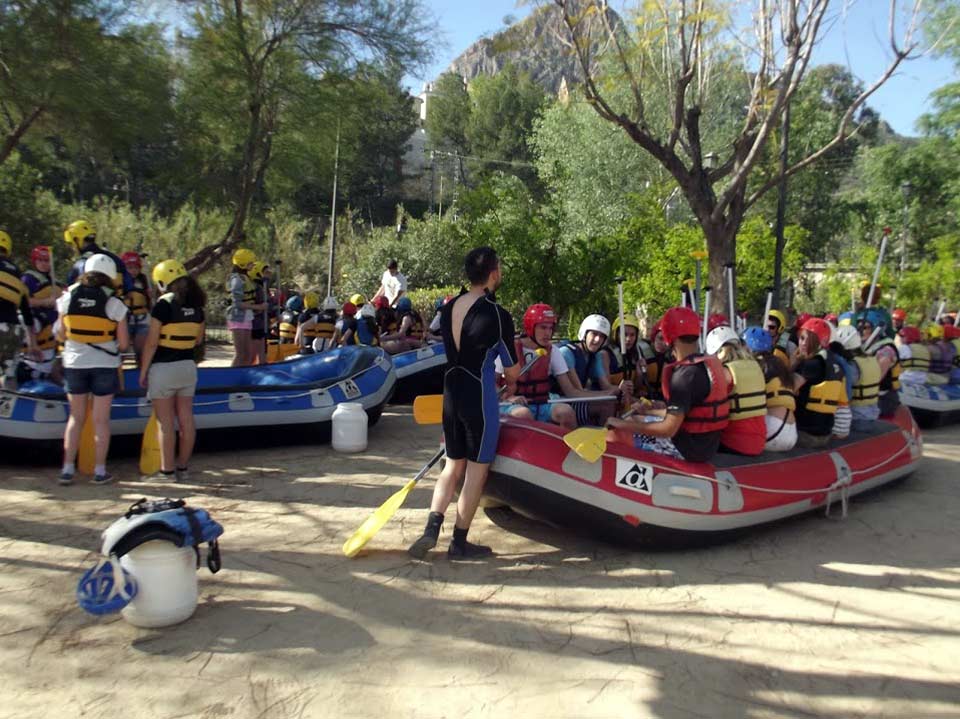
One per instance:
(168, 370)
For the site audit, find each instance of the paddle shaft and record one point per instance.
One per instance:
(568, 400)
(876, 271)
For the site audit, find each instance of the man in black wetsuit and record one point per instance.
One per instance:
(476, 331)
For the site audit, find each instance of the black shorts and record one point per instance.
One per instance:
(258, 333)
(471, 417)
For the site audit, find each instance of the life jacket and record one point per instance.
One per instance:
(346, 324)
(748, 396)
(866, 391)
(847, 372)
(941, 361)
(956, 346)
(534, 384)
(582, 364)
(387, 320)
(182, 332)
(780, 396)
(12, 290)
(249, 290)
(167, 519)
(919, 359)
(137, 299)
(415, 332)
(44, 338)
(713, 414)
(45, 289)
(617, 369)
(891, 380)
(826, 396)
(86, 319)
(655, 367)
(288, 327)
(323, 328)
(366, 333)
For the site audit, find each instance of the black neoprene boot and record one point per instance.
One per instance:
(419, 549)
(460, 548)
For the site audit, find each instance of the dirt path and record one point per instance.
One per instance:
(813, 617)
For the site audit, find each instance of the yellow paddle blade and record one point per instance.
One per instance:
(86, 456)
(588, 443)
(374, 523)
(428, 409)
(150, 447)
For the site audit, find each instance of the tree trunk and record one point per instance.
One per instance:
(13, 139)
(722, 246)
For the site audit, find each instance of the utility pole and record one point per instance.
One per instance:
(333, 214)
(781, 210)
(906, 188)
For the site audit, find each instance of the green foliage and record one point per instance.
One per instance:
(27, 213)
(448, 112)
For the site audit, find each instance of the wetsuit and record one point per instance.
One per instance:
(471, 424)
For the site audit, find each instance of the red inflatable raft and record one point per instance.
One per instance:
(637, 497)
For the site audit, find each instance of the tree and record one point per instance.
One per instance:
(257, 56)
(687, 42)
(448, 112)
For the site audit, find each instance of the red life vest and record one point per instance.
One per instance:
(713, 413)
(535, 383)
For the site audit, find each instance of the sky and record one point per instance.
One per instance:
(857, 39)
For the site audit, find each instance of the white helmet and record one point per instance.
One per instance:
(597, 323)
(718, 337)
(330, 303)
(847, 336)
(368, 311)
(101, 263)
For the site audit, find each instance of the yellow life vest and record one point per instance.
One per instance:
(323, 328)
(182, 332)
(829, 394)
(45, 338)
(288, 331)
(780, 396)
(919, 358)
(866, 391)
(890, 380)
(136, 299)
(45, 290)
(781, 354)
(249, 290)
(86, 320)
(748, 397)
(12, 290)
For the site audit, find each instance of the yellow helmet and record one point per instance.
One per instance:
(934, 332)
(77, 232)
(6, 243)
(257, 272)
(628, 319)
(358, 299)
(311, 300)
(243, 257)
(779, 317)
(167, 271)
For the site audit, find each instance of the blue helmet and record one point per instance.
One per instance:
(757, 339)
(106, 588)
(438, 303)
(846, 318)
(404, 304)
(295, 304)
(873, 317)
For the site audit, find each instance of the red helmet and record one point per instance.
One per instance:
(381, 303)
(40, 253)
(536, 315)
(899, 314)
(910, 334)
(679, 322)
(349, 309)
(820, 327)
(717, 319)
(951, 332)
(657, 326)
(831, 318)
(802, 319)
(132, 258)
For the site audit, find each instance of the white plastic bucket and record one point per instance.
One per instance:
(167, 579)
(349, 428)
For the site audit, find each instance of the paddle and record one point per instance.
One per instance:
(428, 408)
(627, 364)
(590, 442)
(374, 523)
(86, 455)
(150, 447)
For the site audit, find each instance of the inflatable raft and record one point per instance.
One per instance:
(299, 393)
(639, 498)
(419, 371)
(932, 405)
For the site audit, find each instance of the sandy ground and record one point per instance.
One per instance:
(813, 617)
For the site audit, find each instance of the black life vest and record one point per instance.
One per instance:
(182, 331)
(86, 319)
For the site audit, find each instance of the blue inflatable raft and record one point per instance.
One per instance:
(419, 371)
(932, 404)
(279, 397)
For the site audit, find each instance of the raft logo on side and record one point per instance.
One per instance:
(635, 476)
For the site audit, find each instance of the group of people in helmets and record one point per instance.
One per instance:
(76, 333)
(687, 392)
(306, 325)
